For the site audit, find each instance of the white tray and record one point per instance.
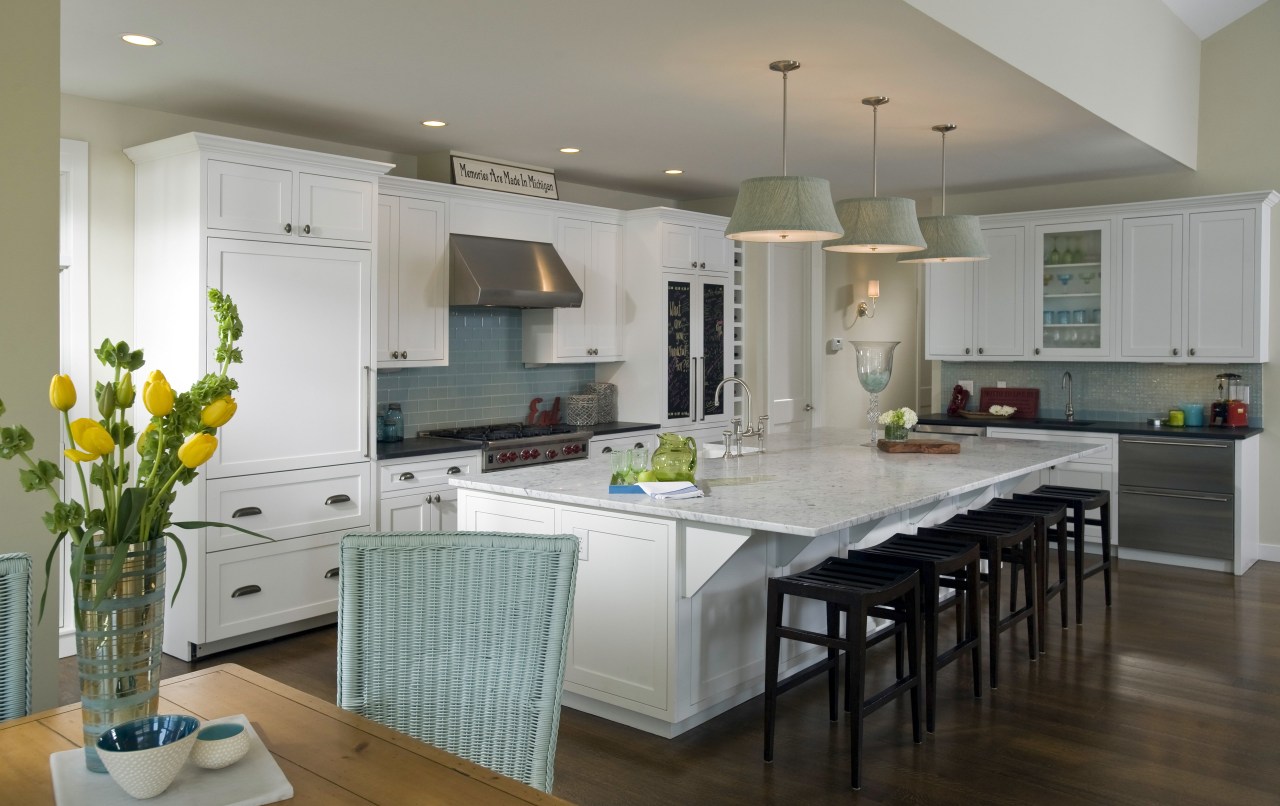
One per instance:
(254, 780)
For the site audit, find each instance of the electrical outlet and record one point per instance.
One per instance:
(1001, 384)
(967, 386)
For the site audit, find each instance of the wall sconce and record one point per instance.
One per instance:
(865, 308)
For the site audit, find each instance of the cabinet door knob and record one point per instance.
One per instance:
(1175, 351)
(693, 265)
(981, 351)
(244, 512)
(332, 573)
(702, 265)
(395, 353)
(306, 229)
(404, 353)
(288, 228)
(966, 351)
(1037, 351)
(340, 498)
(406, 476)
(246, 590)
(437, 498)
(1192, 351)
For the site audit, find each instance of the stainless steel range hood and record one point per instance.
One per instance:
(500, 272)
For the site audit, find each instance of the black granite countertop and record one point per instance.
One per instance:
(426, 446)
(1086, 424)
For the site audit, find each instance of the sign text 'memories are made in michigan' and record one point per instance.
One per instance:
(473, 173)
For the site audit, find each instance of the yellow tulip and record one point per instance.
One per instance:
(92, 438)
(157, 395)
(124, 391)
(197, 449)
(78, 457)
(62, 393)
(219, 412)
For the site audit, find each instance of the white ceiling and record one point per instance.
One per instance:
(639, 87)
(1207, 17)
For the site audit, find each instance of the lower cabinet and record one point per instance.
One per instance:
(415, 494)
(622, 442)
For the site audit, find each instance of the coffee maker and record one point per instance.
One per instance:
(1232, 406)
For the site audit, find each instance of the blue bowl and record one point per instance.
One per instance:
(147, 733)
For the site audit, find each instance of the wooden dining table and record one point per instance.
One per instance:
(328, 754)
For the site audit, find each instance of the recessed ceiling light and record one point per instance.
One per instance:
(435, 124)
(141, 40)
(673, 171)
(570, 150)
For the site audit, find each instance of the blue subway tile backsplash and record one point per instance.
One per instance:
(1108, 391)
(486, 380)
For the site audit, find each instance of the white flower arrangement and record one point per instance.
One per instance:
(904, 417)
(1002, 411)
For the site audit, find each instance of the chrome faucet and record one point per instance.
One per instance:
(752, 429)
(1071, 410)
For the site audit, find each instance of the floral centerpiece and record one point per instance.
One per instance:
(898, 422)
(116, 515)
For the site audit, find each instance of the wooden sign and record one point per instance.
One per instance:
(478, 173)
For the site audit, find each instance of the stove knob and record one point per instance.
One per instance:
(569, 449)
(535, 453)
(552, 453)
(526, 454)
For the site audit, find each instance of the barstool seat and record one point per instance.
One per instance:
(1081, 500)
(858, 590)
(1003, 537)
(943, 562)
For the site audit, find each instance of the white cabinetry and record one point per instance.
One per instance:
(701, 247)
(593, 252)
(288, 234)
(679, 324)
(1195, 286)
(622, 442)
(413, 283)
(415, 494)
(977, 310)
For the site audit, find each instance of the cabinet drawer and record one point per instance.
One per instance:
(257, 587)
(405, 476)
(1201, 525)
(1207, 466)
(288, 505)
(621, 442)
(1107, 441)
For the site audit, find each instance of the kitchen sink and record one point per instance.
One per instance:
(1050, 423)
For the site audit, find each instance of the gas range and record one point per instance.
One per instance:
(510, 445)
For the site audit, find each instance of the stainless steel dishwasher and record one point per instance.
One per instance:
(963, 430)
(1178, 495)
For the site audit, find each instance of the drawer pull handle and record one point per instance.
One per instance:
(453, 471)
(406, 477)
(244, 512)
(606, 449)
(247, 590)
(340, 498)
(332, 573)
(1192, 497)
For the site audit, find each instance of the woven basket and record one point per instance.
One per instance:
(580, 410)
(606, 401)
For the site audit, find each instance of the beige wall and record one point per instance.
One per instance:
(1239, 119)
(29, 314)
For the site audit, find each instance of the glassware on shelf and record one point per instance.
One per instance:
(875, 365)
(1048, 278)
(1076, 255)
(1096, 316)
(1064, 317)
(1064, 278)
(1077, 316)
(1087, 277)
(1055, 257)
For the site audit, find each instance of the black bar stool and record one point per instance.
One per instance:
(1002, 537)
(1081, 500)
(858, 590)
(1049, 516)
(943, 562)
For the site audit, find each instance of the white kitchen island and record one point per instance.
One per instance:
(669, 616)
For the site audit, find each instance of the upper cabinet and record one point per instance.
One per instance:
(288, 202)
(698, 248)
(593, 252)
(1181, 280)
(413, 283)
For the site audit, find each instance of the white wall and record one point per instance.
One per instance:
(29, 273)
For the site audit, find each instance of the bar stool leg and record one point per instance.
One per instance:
(771, 651)
(1077, 524)
(1033, 596)
(994, 571)
(913, 661)
(857, 659)
(833, 673)
(972, 596)
(1105, 512)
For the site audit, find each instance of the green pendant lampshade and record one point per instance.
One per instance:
(783, 208)
(877, 224)
(951, 239)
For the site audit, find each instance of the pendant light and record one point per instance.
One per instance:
(783, 209)
(877, 224)
(952, 238)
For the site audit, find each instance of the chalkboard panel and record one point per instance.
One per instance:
(679, 331)
(712, 346)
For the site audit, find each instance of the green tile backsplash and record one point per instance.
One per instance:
(486, 380)
(1110, 391)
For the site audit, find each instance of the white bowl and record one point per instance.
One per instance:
(220, 745)
(144, 755)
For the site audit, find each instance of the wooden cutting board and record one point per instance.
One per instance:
(1025, 399)
(917, 446)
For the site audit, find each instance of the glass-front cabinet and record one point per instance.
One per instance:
(1073, 290)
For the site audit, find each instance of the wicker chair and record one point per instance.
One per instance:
(459, 640)
(15, 635)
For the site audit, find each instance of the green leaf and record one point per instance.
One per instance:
(2, 408)
(202, 524)
(182, 574)
(77, 570)
(48, 564)
(106, 353)
(31, 481)
(14, 441)
(113, 573)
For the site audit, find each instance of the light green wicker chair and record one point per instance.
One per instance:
(459, 640)
(15, 635)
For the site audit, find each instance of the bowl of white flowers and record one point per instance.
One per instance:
(898, 423)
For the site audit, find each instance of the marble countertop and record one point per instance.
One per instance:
(805, 484)
(1087, 424)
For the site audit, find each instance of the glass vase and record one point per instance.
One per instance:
(897, 433)
(119, 641)
(875, 365)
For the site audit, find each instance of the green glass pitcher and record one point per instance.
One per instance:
(675, 458)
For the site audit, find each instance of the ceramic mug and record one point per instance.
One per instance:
(1077, 317)
(1048, 317)
(1064, 317)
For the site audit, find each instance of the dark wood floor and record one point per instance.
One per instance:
(1172, 696)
